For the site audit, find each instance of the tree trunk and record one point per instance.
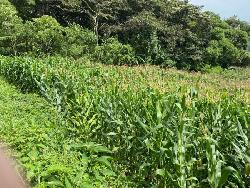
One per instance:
(96, 23)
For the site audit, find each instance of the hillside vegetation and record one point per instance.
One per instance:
(125, 93)
(167, 33)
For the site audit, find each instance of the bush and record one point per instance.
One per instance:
(223, 53)
(169, 63)
(42, 36)
(112, 52)
(10, 28)
(49, 37)
(8, 18)
(217, 33)
(214, 52)
(46, 35)
(227, 48)
(238, 37)
(78, 41)
(212, 69)
(156, 55)
(246, 59)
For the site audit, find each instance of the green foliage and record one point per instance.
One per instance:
(238, 37)
(217, 34)
(156, 138)
(215, 20)
(224, 53)
(158, 26)
(236, 23)
(166, 33)
(154, 132)
(246, 59)
(46, 35)
(212, 69)
(10, 28)
(112, 52)
(49, 158)
(156, 54)
(43, 36)
(78, 42)
(226, 47)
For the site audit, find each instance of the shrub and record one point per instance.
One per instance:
(169, 63)
(246, 59)
(223, 53)
(238, 37)
(10, 28)
(212, 69)
(214, 52)
(217, 33)
(42, 36)
(78, 41)
(113, 52)
(156, 54)
(49, 37)
(46, 36)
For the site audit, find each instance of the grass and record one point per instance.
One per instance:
(162, 128)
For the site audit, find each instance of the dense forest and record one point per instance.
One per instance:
(167, 33)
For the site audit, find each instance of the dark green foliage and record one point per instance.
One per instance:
(163, 27)
(161, 32)
(246, 59)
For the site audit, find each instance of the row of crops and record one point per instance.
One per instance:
(153, 138)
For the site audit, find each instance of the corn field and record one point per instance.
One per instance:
(157, 136)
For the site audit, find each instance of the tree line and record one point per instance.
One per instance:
(159, 32)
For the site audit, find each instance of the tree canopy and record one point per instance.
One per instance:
(161, 32)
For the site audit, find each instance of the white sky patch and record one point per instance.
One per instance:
(227, 8)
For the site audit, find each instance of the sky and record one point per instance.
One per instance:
(227, 8)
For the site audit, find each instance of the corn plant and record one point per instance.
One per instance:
(157, 138)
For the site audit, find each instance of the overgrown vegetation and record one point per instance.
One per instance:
(168, 33)
(48, 157)
(156, 138)
(142, 123)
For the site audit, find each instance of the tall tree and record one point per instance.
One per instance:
(236, 23)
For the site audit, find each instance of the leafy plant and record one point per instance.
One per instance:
(155, 138)
(112, 52)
